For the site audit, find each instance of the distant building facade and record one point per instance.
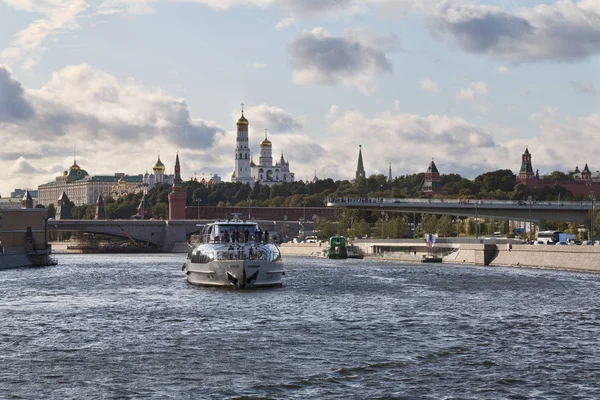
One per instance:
(265, 172)
(83, 188)
(583, 183)
(21, 193)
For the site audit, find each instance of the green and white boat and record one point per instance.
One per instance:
(336, 248)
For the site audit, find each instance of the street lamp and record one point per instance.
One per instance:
(198, 201)
(477, 219)
(304, 210)
(383, 222)
(591, 235)
(530, 223)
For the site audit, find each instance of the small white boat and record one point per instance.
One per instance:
(234, 253)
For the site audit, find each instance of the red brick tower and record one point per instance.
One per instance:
(177, 196)
(526, 171)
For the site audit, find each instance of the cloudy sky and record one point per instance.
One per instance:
(469, 83)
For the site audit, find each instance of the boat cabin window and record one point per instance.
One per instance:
(232, 232)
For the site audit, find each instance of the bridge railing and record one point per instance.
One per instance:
(460, 202)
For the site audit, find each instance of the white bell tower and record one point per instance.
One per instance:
(241, 173)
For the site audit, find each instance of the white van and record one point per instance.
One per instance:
(311, 239)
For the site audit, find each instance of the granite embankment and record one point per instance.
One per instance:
(301, 249)
(582, 258)
(14, 261)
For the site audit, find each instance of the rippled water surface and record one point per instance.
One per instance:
(130, 326)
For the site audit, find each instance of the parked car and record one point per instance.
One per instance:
(561, 244)
(311, 239)
(586, 243)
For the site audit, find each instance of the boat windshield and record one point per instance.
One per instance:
(230, 232)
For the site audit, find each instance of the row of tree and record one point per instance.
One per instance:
(500, 185)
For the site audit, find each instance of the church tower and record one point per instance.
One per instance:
(266, 153)
(177, 196)
(242, 172)
(159, 171)
(431, 182)
(360, 168)
(526, 171)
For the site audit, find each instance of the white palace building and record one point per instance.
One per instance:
(82, 188)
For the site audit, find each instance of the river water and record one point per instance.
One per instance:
(130, 326)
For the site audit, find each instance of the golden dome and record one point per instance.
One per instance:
(233, 174)
(266, 142)
(242, 120)
(121, 180)
(159, 166)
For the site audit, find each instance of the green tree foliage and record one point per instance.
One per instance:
(445, 227)
(502, 179)
(429, 223)
(326, 228)
(51, 211)
(360, 228)
(558, 176)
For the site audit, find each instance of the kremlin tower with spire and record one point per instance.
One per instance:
(177, 196)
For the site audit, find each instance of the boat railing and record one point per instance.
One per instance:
(269, 253)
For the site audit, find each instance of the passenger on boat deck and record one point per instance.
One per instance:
(225, 237)
(266, 236)
(246, 235)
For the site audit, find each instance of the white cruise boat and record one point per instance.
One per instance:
(234, 253)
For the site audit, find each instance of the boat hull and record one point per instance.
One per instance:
(239, 274)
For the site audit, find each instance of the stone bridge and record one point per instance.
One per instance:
(575, 212)
(163, 234)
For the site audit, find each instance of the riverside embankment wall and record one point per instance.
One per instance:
(563, 257)
(301, 249)
(582, 258)
(14, 261)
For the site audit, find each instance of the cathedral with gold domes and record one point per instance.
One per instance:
(265, 172)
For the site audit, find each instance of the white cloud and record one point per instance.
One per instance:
(58, 16)
(286, 22)
(585, 87)
(565, 30)
(300, 7)
(502, 69)
(23, 166)
(273, 118)
(113, 123)
(422, 137)
(256, 65)
(476, 95)
(428, 85)
(318, 57)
